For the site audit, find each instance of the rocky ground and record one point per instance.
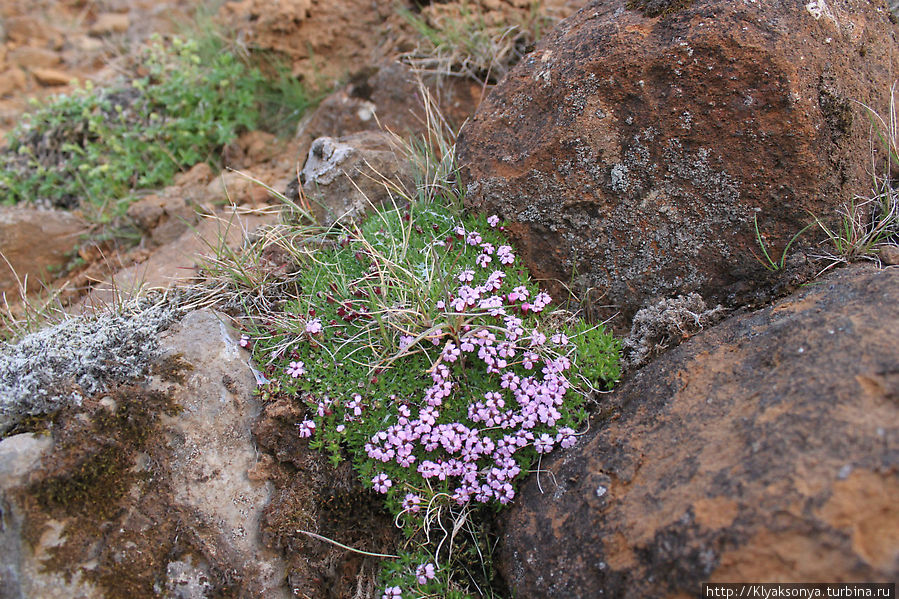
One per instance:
(630, 153)
(98, 41)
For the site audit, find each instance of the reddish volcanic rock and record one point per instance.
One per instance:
(765, 448)
(632, 150)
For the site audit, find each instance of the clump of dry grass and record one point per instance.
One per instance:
(463, 39)
(869, 226)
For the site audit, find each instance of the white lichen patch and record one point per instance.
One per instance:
(77, 357)
(819, 9)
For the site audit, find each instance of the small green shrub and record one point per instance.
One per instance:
(92, 149)
(420, 349)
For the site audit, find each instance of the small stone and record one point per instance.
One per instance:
(84, 43)
(199, 174)
(31, 57)
(52, 77)
(110, 22)
(147, 211)
(889, 255)
(344, 176)
(11, 81)
(108, 403)
(23, 30)
(35, 243)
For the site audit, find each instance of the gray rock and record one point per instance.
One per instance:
(19, 455)
(211, 446)
(178, 516)
(344, 177)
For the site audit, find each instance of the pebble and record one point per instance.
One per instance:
(889, 255)
(110, 22)
(51, 77)
(11, 81)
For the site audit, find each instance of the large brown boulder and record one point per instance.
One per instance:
(763, 449)
(633, 149)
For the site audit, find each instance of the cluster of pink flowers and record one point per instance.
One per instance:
(474, 455)
(452, 443)
(423, 573)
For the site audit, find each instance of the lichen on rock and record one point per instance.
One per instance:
(77, 357)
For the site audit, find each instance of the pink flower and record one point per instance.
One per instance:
(412, 503)
(469, 295)
(244, 341)
(487, 248)
(537, 339)
(406, 341)
(424, 573)
(519, 293)
(541, 301)
(296, 369)
(307, 429)
(451, 353)
(560, 339)
(314, 327)
(493, 220)
(392, 593)
(566, 437)
(544, 444)
(381, 483)
(495, 280)
(483, 260)
(504, 252)
(473, 238)
(466, 276)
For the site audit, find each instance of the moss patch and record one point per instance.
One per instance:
(105, 482)
(92, 469)
(172, 368)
